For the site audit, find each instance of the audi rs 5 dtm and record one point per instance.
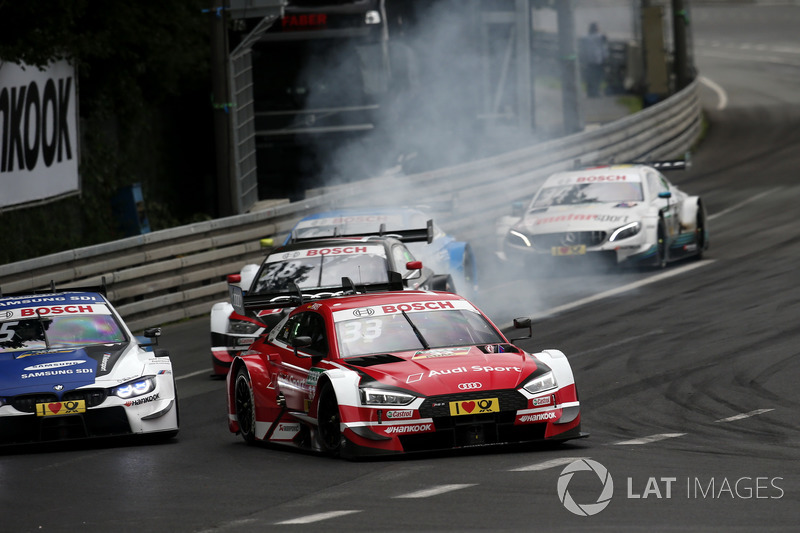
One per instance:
(316, 266)
(367, 374)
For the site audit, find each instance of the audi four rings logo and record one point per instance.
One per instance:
(470, 386)
(367, 311)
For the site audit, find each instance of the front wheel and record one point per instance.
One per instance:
(661, 246)
(329, 420)
(245, 406)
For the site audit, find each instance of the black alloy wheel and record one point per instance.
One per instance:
(244, 402)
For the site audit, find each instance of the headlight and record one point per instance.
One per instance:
(544, 382)
(134, 388)
(242, 327)
(628, 230)
(384, 397)
(518, 239)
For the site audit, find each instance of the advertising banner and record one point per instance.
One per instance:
(39, 148)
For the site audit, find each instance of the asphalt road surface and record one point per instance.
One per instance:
(687, 376)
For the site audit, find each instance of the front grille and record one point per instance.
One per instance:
(439, 406)
(572, 238)
(92, 397)
(26, 403)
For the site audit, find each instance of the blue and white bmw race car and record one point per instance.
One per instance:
(71, 369)
(444, 254)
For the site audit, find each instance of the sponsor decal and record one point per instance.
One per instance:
(406, 413)
(61, 408)
(365, 311)
(415, 428)
(593, 217)
(104, 362)
(54, 364)
(315, 306)
(539, 417)
(58, 372)
(50, 299)
(265, 312)
(336, 250)
(288, 428)
(412, 378)
(313, 376)
(601, 178)
(56, 310)
(416, 306)
(42, 352)
(474, 407)
(441, 352)
(544, 400)
(140, 401)
(470, 386)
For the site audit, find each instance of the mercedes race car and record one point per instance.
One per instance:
(620, 214)
(316, 265)
(443, 254)
(71, 369)
(369, 374)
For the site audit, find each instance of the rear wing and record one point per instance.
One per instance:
(407, 235)
(282, 299)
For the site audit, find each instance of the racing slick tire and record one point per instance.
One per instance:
(329, 418)
(662, 247)
(245, 405)
(700, 233)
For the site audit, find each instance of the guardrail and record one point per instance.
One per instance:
(178, 273)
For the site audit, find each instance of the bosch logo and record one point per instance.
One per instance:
(470, 386)
(367, 311)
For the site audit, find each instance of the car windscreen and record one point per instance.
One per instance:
(583, 193)
(321, 271)
(393, 332)
(62, 331)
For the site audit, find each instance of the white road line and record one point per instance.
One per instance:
(722, 96)
(435, 491)
(651, 438)
(740, 204)
(744, 415)
(617, 343)
(625, 288)
(308, 519)
(547, 464)
(190, 374)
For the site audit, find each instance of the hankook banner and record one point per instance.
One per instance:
(39, 150)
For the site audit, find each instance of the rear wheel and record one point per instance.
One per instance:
(329, 421)
(244, 402)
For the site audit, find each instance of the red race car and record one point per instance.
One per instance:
(381, 373)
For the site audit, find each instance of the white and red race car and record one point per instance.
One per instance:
(619, 214)
(395, 372)
(317, 266)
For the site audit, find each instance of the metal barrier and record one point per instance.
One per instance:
(178, 273)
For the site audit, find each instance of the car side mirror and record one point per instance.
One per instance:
(152, 334)
(234, 278)
(414, 269)
(518, 209)
(522, 323)
(301, 341)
